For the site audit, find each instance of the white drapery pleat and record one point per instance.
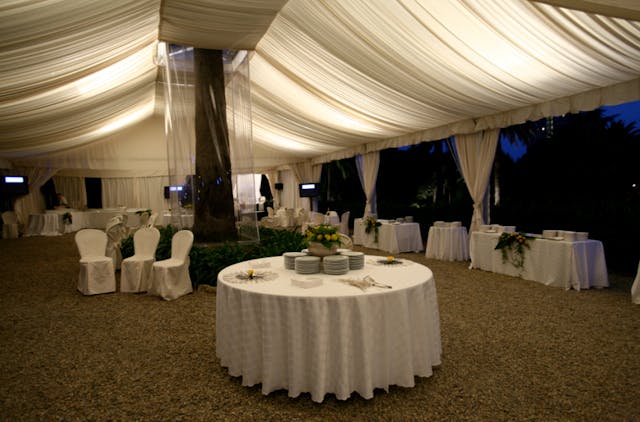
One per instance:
(475, 153)
(368, 165)
(330, 79)
(34, 201)
(73, 188)
(140, 192)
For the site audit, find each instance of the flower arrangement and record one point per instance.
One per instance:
(513, 244)
(323, 233)
(67, 218)
(372, 224)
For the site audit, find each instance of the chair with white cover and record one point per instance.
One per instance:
(344, 222)
(316, 218)
(10, 225)
(116, 232)
(270, 212)
(97, 273)
(345, 241)
(170, 277)
(152, 220)
(136, 270)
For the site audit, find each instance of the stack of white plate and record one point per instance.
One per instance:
(335, 264)
(307, 264)
(356, 260)
(290, 258)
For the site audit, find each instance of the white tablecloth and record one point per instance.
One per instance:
(44, 225)
(578, 265)
(333, 338)
(448, 243)
(51, 222)
(392, 237)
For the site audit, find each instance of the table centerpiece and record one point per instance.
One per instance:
(322, 240)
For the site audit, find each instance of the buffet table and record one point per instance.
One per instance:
(392, 237)
(448, 243)
(578, 265)
(332, 338)
(44, 225)
(51, 222)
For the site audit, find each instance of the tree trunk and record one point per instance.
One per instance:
(213, 192)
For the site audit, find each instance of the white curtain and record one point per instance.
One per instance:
(140, 192)
(73, 188)
(475, 153)
(34, 201)
(368, 165)
(306, 172)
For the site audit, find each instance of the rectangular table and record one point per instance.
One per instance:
(448, 243)
(578, 265)
(392, 237)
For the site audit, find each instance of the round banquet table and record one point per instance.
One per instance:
(332, 338)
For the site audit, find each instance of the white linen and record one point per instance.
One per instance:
(170, 277)
(392, 237)
(368, 165)
(333, 338)
(10, 225)
(46, 224)
(635, 288)
(136, 270)
(332, 220)
(578, 265)
(448, 243)
(97, 273)
(474, 153)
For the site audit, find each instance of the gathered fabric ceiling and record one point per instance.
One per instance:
(329, 78)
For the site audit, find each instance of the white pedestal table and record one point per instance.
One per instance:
(333, 338)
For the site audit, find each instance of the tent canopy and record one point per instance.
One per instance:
(329, 78)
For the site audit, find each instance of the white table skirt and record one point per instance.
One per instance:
(578, 265)
(44, 225)
(448, 243)
(333, 338)
(635, 288)
(392, 237)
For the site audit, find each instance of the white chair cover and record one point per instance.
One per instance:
(152, 220)
(270, 212)
(136, 270)
(170, 277)
(344, 222)
(97, 273)
(316, 217)
(10, 225)
(345, 241)
(116, 231)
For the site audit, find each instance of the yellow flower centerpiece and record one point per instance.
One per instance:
(322, 239)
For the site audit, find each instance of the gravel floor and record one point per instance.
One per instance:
(512, 350)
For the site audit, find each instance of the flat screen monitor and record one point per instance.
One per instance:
(309, 190)
(169, 189)
(14, 185)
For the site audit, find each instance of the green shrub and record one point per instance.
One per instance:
(208, 261)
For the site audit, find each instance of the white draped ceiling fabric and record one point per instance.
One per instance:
(330, 79)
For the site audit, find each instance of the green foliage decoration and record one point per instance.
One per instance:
(372, 224)
(322, 233)
(513, 245)
(207, 261)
